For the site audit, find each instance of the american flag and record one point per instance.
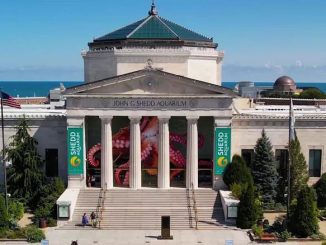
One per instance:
(9, 101)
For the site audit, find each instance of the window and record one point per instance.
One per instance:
(314, 163)
(248, 156)
(281, 156)
(51, 162)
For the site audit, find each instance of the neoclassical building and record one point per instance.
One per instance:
(152, 114)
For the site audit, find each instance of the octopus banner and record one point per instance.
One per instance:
(222, 151)
(75, 151)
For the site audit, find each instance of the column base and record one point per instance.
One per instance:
(76, 182)
(218, 183)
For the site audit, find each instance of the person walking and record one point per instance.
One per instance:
(84, 220)
(93, 219)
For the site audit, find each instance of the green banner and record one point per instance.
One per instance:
(75, 151)
(222, 151)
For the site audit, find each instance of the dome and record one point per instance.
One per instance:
(285, 84)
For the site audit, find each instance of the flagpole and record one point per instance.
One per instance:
(3, 153)
(289, 163)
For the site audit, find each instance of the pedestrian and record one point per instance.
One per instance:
(93, 219)
(84, 220)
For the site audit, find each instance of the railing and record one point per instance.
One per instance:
(189, 208)
(99, 202)
(102, 205)
(195, 205)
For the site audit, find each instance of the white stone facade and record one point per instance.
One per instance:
(204, 64)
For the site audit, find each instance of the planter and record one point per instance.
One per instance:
(43, 223)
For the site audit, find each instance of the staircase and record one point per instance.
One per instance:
(126, 209)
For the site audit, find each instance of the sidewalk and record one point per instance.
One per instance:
(108, 237)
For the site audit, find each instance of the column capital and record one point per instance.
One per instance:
(75, 121)
(134, 119)
(192, 119)
(164, 119)
(222, 121)
(106, 119)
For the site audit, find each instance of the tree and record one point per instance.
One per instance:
(247, 209)
(47, 197)
(237, 172)
(320, 188)
(304, 214)
(25, 174)
(264, 170)
(312, 93)
(4, 218)
(298, 169)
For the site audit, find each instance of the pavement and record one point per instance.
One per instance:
(135, 237)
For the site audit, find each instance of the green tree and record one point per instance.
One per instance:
(312, 93)
(247, 209)
(4, 218)
(47, 197)
(264, 170)
(304, 214)
(298, 169)
(25, 174)
(237, 172)
(320, 188)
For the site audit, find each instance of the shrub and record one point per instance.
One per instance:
(34, 234)
(238, 189)
(47, 199)
(284, 235)
(322, 213)
(237, 172)
(15, 210)
(52, 222)
(247, 213)
(279, 207)
(257, 230)
(303, 214)
(320, 188)
(4, 218)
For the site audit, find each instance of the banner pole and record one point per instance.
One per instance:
(3, 153)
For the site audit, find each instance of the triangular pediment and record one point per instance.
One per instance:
(148, 82)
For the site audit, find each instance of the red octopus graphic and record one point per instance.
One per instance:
(149, 127)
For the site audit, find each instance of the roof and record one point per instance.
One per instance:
(148, 72)
(154, 27)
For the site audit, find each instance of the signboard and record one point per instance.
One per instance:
(75, 151)
(44, 242)
(222, 151)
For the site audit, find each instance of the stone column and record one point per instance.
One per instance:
(78, 181)
(135, 154)
(164, 153)
(219, 122)
(106, 153)
(192, 153)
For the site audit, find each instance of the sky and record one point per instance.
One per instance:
(262, 39)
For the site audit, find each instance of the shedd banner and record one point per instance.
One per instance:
(75, 151)
(222, 151)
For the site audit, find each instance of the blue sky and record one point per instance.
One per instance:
(262, 39)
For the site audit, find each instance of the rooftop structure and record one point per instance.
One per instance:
(285, 84)
(152, 31)
(154, 42)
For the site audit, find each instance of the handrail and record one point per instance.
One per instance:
(189, 208)
(99, 201)
(102, 205)
(195, 205)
